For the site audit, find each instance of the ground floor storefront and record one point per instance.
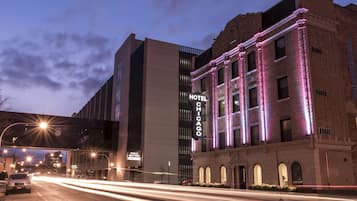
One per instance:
(305, 162)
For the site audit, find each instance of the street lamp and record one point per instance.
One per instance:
(5, 151)
(29, 158)
(23, 149)
(41, 125)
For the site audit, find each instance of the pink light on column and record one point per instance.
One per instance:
(261, 82)
(193, 145)
(305, 76)
(242, 97)
(214, 106)
(227, 105)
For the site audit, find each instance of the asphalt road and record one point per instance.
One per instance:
(45, 191)
(62, 189)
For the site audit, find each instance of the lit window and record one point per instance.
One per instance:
(257, 175)
(220, 79)
(235, 71)
(283, 175)
(201, 175)
(283, 88)
(220, 108)
(236, 104)
(251, 61)
(223, 175)
(208, 175)
(253, 97)
(280, 47)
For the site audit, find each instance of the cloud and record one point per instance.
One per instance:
(52, 60)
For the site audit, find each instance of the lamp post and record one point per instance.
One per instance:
(41, 125)
(109, 164)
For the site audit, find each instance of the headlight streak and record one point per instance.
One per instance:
(183, 192)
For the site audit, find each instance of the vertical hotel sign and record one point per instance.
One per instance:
(197, 101)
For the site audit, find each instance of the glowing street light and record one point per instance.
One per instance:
(5, 151)
(40, 162)
(42, 125)
(29, 158)
(93, 155)
(23, 149)
(111, 164)
(52, 154)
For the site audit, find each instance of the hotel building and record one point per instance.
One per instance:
(282, 98)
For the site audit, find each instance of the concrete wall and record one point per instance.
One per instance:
(160, 129)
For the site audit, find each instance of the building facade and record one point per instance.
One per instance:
(149, 88)
(100, 106)
(282, 103)
(152, 80)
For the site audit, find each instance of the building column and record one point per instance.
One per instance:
(242, 95)
(228, 105)
(304, 72)
(214, 106)
(261, 88)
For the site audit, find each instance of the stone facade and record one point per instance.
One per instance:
(307, 136)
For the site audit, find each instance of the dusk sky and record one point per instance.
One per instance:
(54, 55)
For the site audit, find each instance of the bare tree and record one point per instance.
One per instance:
(2, 101)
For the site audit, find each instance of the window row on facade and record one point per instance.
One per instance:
(205, 174)
(251, 64)
(285, 133)
(283, 92)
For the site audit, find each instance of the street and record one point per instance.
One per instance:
(63, 189)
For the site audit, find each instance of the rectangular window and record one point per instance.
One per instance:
(220, 108)
(222, 140)
(251, 61)
(285, 129)
(254, 135)
(236, 103)
(253, 97)
(280, 47)
(236, 136)
(235, 71)
(283, 88)
(203, 84)
(220, 79)
(203, 145)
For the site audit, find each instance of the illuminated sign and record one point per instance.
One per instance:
(197, 101)
(134, 156)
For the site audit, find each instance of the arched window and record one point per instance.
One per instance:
(257, 175)
(201, 175)
(208, 175)
(296, 173)
(223, 175)
(283, 175)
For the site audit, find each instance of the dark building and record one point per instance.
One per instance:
(100, 106)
